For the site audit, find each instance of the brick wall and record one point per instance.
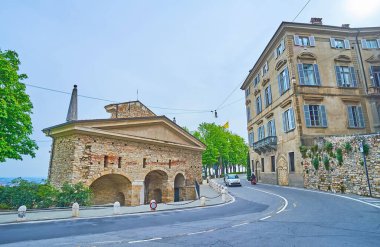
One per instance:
(350, 177)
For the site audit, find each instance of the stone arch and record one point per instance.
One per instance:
(157, 187)
(89, 181)
(307, 56)
(282, 171)
(179, 187)
(110, 188)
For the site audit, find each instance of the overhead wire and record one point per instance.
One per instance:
(301, 10)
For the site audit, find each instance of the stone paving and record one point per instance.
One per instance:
(212, 198)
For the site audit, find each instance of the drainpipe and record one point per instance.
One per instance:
(361, 61)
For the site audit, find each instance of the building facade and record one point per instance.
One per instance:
(133, 157)
(311, 80)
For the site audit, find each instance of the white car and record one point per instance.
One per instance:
(232, 180)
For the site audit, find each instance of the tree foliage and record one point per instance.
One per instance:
(15, 110)
(221, 143)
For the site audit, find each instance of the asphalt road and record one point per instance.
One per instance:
(262, 215)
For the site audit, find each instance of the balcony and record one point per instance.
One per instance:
(265, 145)
(374, 90)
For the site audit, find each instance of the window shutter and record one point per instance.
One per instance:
(338, 76)
(301, 74)
(350, 117)
(296, 40)
(286, 79)
(364, 44)
(279, 84)
(307, 115)
(292, 120)
(273, 128)
(316, 72)
(312, 40)
(347, 44)
(378, 43)
(323, 115)
(283, 45)
(361, 117)
(284, 124)
(372, 75)
(269, 94)
(275, 53)
(332, 42)
(353, 77)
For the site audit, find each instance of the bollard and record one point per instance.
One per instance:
(75, 210)
(203, 201)
(116, 208)
(224, 195)
(21, 216)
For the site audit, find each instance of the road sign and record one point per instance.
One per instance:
(153, 205)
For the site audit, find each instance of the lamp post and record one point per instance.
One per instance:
(365, 166)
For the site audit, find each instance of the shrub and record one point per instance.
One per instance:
(365, 149)
(347, 147)
(328, 147)
(339, 156)
(314, 149)
(303, 151)
(326, 162)
(71, 193)
(315, 163)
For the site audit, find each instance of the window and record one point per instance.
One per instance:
(170, 164)
(355, 117)
(345, 76)
(280, 49)
(256, 80)
(304, 40)
(271, 128)
(251, 138)
(119, 162)
(106, 161)
(247, 91)
(273, 163)
(309, 74)
(375, 75)
(291, 162)
(315, 115)
(283, 81)
(339, 43)
(144, 162)
(268, 96)
(370, 43)
(262, 164)
(248, 113)
(265, 68)
(258, 105)
(288, 120)
(261, 133)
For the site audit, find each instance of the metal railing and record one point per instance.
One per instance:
(266, 144)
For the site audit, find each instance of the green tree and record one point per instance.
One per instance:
(249, 172)
(15, 110)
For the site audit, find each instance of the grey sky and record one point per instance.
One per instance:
(178, 54)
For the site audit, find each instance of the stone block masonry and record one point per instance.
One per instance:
(350, 176)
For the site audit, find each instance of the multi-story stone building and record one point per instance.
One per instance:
(133, 157)
(311, 80)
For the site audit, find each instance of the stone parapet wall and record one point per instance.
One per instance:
(350, 176)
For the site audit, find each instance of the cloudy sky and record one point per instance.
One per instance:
(189, 55)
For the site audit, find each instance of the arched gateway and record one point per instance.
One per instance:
(179, 188)
(110, 188)
(156, 186)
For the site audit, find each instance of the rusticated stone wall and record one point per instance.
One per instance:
(350, 177)
(81, 158)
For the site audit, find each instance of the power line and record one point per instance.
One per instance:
(224, 101)
(301, 10)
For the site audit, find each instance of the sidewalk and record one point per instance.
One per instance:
(212, 198)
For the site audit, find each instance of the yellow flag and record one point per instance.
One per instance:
(226, 125)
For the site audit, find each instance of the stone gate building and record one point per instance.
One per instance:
(133, 157)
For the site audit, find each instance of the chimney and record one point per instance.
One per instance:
(72, 113)
(346, 25)
(316, 21)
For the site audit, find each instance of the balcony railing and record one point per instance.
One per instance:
(374, 90)
(264, 145)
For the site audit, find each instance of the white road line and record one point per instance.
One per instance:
(242, 224)
(270, 193)
(194, 233)
(143, 240)
(107, 242)
(325, 193)
(266, 217)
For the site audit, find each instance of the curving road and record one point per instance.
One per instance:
(261, 215)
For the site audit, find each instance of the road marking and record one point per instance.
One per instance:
(143, 240)
(266, 217)
(194, 233)
(108, 242)
(270, 193)
(242, 224)
(325, 193)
